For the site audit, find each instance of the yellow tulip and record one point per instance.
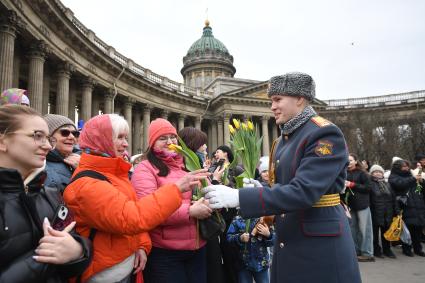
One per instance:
(231, 129)
(244, 126)
(250, 125)
(236, 123)
(175, 148)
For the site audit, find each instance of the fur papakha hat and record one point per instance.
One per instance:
(293, 84)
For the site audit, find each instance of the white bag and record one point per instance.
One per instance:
(405, 235)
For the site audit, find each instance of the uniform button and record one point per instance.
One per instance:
(282, 215)
(281, 245)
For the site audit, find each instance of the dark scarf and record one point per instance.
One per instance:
(299, 120)
(383, 186)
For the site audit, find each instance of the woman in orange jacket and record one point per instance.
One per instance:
(110, 207)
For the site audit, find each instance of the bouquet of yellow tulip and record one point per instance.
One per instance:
(246, 144)
(192, 163)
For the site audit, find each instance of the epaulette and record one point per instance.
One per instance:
(320, 121)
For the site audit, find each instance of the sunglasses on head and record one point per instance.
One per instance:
(65, 133)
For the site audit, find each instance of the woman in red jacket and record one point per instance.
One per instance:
(111, 208)
(178, 254)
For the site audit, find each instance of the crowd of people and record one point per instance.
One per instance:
(73, 206)
(374, 196)
(80, 210)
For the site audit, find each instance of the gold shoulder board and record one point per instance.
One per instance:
(320, 121)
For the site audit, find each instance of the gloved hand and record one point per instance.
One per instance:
(251, 183)
(220, 196)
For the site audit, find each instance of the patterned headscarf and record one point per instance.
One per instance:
(14, 96)
(96, 136)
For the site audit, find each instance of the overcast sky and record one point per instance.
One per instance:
(352, 48)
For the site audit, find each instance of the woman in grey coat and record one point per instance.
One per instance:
(64, 158)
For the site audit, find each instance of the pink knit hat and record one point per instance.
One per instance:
(97, 135)
(160, 127)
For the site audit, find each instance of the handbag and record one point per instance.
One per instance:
(212, 226)
(393, 233)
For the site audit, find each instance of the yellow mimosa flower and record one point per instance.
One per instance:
(236, 123)
(231, 129)
(250, 125)
(244, 126)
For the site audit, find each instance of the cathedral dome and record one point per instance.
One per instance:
(206, 59)
(207, 42)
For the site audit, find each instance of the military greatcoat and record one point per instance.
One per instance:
(313, 244)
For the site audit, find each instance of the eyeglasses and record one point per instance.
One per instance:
(65, 133)
(39, 137)
(166, 138)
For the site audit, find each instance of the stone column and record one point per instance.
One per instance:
(181, 122)
(87, 86)
(72, 102)
(109, 96)
(137, 147)
(37, 56)
(164, 114)
(146, 121)
(46, 93)
(8, 24)
(62, 99)
(209, 135)
(198, 122)
(226, 123)
(95, 106)
(128, 115)
(214, 136)
(265, 130)
(220, 132)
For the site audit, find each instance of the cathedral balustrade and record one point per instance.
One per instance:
(376, 101)
(123, 61)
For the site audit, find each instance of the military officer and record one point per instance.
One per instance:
(308, 169)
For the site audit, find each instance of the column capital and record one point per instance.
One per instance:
(219, 121)
(66, 68)
(265, 118)
(9, 22)
(226, 115)
(88, 82)
(182, 116)
(165, 113)
(109, 94)
(129, 101)
(38, 48)
(147, 108)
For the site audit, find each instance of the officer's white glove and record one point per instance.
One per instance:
(251, 183)
(220, 196)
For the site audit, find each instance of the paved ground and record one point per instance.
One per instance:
(403, 269)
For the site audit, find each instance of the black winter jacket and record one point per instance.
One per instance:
(360, 198)
(404, 184)
(22, 210)
(382, 203)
